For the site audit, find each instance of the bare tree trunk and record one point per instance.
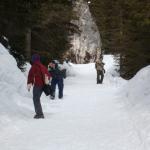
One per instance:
(28, 44)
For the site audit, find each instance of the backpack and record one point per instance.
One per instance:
(64, 73)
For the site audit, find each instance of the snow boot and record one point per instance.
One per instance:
(60, 97)
(38, 116)
(52, 97)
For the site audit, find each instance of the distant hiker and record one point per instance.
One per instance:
(67, 60)
(99, 65)
(35, 78)
(58, 73)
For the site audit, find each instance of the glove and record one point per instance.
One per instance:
(46, 79)
(29, 86)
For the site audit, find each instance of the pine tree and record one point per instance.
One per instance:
(124, 28)
(37, 26)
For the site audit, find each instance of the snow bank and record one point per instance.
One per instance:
(137, 90)
(136, 95)
(13, 95)
(69, 69)
(10, 74)
(112, 76)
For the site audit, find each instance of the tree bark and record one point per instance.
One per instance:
(28, 44)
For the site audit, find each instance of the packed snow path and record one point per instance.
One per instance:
(90, 117)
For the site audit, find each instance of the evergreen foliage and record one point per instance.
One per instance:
(125, 30)
(47, 20)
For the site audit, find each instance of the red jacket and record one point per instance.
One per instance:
(37, 73)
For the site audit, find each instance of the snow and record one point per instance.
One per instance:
(136, 97)
(110, 116)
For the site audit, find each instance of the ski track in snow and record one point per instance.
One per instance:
(89, 117)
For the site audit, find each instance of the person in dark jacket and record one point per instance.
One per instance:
(57, 74)
(36, 79)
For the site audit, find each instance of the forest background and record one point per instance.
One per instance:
(44, 27)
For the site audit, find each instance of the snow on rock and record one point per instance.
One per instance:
(86, 42)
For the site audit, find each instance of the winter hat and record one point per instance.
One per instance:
(35, 57)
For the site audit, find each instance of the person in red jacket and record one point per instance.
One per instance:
(36, 77)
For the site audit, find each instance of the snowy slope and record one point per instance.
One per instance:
(138, 89)
(90, 116)
(13, 93)
(136, 95)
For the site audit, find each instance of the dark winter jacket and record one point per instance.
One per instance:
(57, 73)
(37, 73)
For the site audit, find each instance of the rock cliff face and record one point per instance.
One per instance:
(86, 44)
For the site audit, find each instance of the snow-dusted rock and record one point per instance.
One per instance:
(86, 43)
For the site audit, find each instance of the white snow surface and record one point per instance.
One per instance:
(114, 115)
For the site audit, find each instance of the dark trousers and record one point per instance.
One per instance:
(37, 92)
(100, 76)
(60, 84)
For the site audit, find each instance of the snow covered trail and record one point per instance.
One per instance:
(90, 117)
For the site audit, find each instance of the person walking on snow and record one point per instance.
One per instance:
(58, 74)
(35, 79)
(99, 65)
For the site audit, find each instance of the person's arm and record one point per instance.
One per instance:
(30, 80)
(104, 70)
(47, 75)
(103, 67)
(30, 76)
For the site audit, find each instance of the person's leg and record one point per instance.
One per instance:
(102, 76)
(98, 76)
(60, 88)
(37, 91)
(53, 86)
